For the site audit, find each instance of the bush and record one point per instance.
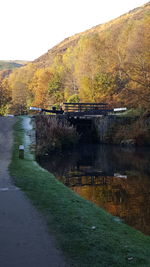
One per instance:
(139, 131)
(18, 109)
(54, 134)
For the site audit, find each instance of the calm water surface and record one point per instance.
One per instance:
(117, 179)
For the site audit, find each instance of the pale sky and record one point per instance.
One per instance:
(28, 28)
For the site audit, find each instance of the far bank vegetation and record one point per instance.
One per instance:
(136, 133)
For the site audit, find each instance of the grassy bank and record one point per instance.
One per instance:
(86, 233)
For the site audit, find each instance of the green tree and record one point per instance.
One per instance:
(73, 99)
(55, 88)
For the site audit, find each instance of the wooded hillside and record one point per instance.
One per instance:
(108, 63)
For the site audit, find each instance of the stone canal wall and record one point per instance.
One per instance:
(107, 127)
(111, 129)
(123, 130)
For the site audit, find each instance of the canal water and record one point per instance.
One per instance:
(115, 178)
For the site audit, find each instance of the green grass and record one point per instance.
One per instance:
(71, 218)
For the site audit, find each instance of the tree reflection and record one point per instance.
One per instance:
(115, 178)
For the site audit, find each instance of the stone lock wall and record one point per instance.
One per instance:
(107, 126)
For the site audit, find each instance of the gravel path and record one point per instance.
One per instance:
(24, 239)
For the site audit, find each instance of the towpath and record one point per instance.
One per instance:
(24, 238)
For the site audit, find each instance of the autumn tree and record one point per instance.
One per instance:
(19, 83)
(110, 62)
(90, 63)
(70, 80)
(38, 88)
(5, 96)
(56, 82)
(136, 67)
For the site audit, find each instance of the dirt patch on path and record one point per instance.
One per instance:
(24, 239)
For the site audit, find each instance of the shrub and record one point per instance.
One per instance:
(18, 109)
(139, 131)
(53, 134)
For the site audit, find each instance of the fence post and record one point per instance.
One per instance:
(21, 152)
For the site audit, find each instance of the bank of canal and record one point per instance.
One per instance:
(86, 233)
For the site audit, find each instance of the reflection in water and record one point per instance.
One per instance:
(117, 179)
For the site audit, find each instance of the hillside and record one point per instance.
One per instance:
(110, 62)
(9, 64)
(125, 20)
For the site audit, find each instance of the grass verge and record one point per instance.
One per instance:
(85, 233)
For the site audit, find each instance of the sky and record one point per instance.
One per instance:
(29, 28)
